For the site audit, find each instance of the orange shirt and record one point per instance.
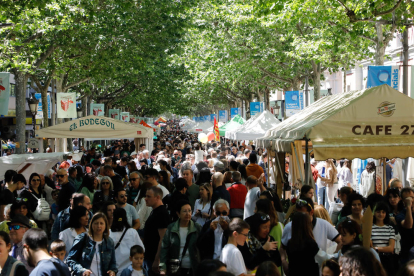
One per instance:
(254, 169)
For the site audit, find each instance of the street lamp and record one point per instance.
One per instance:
(33, 103)
(79, 111)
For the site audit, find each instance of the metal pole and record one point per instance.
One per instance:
(405, 61)
(384, 176)
(306, 161)
(306, 90)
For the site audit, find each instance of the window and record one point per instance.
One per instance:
(12, 90)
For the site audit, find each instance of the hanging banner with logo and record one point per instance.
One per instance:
(4, 93)
(125, 116)
(196, 119)
(379, 75)
(97, 109)
(212, 117)
(235, 111)
(201, 119)
(133, 119)
(39, 114)
(256, 107)
(206, 118)
(66, 105)
(223, 116)
(293, 102)
(114, 113)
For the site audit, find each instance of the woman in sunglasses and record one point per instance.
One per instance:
(260, 246)
(105, 193)
(35, 192)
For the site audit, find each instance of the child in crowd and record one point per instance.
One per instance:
(58, 250)
(54, 208)
(231, 255)
(136, 256)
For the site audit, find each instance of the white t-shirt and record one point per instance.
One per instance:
(322, 231)
(96, 261)
(164, 190)
(233, 258)
(250, 202)
(185, 262)
(137, 273)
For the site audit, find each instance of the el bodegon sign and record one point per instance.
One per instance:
(91, 122)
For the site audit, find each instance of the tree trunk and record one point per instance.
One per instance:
(295, 84)
(53, 102)
(21, 84)
(345, 69)
(316, 80)
(380, 48)
(267, 99)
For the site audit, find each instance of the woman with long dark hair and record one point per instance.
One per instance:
(302, 247)
(259, 246)
(204, 176)
(124, 238)
(243, 172)
(34, 193)
(359, 261)
(393, 198)
(89, 186)
(368, 180)
(164, 180)
(78, 224)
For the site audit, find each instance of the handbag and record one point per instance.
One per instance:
(174, 265)
(42, 211)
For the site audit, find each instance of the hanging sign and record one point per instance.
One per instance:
(125, 116)
(97, 109)
(114, 113)
(4, 93)
(66, 105)
(223, 116)
(235, 111)
(379, 75)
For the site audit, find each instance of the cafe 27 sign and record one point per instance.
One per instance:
(385, 109)
(91, 122)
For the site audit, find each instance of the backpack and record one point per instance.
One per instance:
(42, 212)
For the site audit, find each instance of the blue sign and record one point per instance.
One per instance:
(235, 111)
(379, 75)
(256, 107)
(196, 119)
(212, 116)
(39, 114)
(292, 102)
(223, 116)
(301, 101)
(206, 118)
(201, 118)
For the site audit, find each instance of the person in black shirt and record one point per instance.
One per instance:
(35, 248)
(219, 190)
(155, 228)
(67, 190)
(9, 194)
(116, 178)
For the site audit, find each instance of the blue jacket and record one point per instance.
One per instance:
(58, 225)
(83, 250)
(128, 271)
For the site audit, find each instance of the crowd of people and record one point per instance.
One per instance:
(188, 208)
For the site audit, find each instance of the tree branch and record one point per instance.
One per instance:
(29, 39)
(76, 83)
(348, 31)
(44, 56)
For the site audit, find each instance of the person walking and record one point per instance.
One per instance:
(9, 266)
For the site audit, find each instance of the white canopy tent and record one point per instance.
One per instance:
(98, 128)
(27, 164)
(188, 124)
(211, 129)
(375, 122)
(255, 127)
(201, 127)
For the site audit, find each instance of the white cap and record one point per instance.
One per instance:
(134, 153)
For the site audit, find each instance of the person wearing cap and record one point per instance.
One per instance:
(219, 167)
(17, 227)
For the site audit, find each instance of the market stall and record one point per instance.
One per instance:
(201, 127)
(234, 123)
(99, 128)
(254, 128)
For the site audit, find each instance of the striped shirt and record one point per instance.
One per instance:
(381, 235)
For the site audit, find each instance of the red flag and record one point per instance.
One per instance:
(216, 131)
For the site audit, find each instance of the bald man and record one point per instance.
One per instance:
(67, 189)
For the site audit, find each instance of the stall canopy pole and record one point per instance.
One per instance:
(384, 175)
(306, 162)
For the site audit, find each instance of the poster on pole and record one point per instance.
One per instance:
(206, 118)
(380, 185)
(66, 105)
(39, 114)
(212, 117)
(97, 109)
(255, 107)
(4, 93)
(114, 113)
(125, 116)
(133, 119)
(201, 119)
(293, 102)
(223, 116)
(235, 111)
(378, 75)
(196, 119)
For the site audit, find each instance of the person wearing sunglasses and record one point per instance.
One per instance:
(104, 193)
(322, 230)
(67, 189)
(17, 227)
(132, 214)
(212, 238)
(260, 246)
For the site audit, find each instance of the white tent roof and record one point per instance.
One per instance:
(188, 124)
(255, 127)
(211, 129)
(35, 162)
(375, 122)
(201, 127)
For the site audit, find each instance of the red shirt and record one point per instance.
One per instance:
(238, 194)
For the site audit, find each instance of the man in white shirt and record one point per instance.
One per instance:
(255, 187)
